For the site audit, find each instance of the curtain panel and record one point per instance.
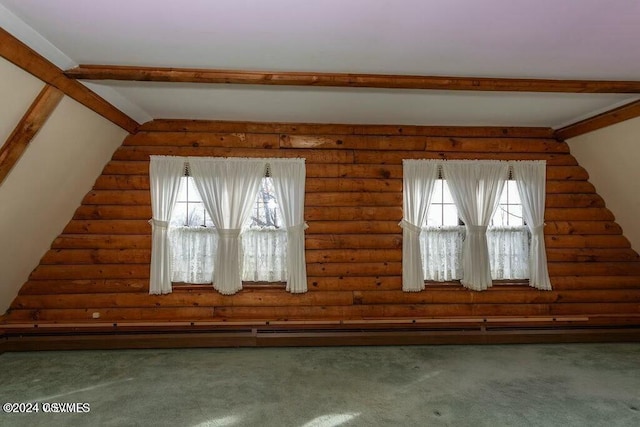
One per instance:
(530, 178)
(228, 188)
(419, 178)
(164, 181)
(288, 177)
(476, 188)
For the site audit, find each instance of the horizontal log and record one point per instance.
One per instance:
(342, 283)
(351, 269)
(311, 156)
(594, 268)
(122, 182)
(97, 256)
(494, 295)
(127, 226)
(571, 173)
(352, 256)
(594, 308)
(339, 199)
(574, 200)
(591, 254)
(100, 241)
(353, 227)
(203, 139)
(182, 299)
(315, 185)
(569, 187)
(113, 212)
(456, 144)
(592, 241)
(119, 167)
(84, 286)
(353, 241)
(582, 227)
(595, 282)
(102, 271)
(578, 214)
(396, 157)
(177, 125)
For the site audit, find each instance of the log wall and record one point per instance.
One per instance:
(353, 203)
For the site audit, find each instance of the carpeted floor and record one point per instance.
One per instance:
(518, 385)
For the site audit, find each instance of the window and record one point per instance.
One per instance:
(186, 247)
(441, 241)
(193, 238)
(437, 246)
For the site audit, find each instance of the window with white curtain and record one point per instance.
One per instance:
(193, 238)
(441, 241)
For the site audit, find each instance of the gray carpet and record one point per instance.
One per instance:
(523, 385)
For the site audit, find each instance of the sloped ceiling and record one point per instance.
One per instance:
(550, 39)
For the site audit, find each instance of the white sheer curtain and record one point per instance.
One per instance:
(530, 177)
(288, 177)
(476, 188)
(164, 181)
(264, 255)
(509, 252)
(419, 178)
(228, 188)
(192, 250)
(442, 252)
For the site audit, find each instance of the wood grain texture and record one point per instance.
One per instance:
(30, 124)
(16, 52)
(172, 125)
(384, 81)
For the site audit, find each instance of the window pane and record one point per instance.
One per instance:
(446, 194)
(504, 195)
(515, 215)
(195, 214)
(499, 218)
(436, 197)
(182, 193)
(450, 214)
(434, 215)
(514, 196)
(179, 215)
(266, 212)
(194, 195)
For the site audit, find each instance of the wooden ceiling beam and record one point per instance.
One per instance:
(191, 75)
(31, 123)
(617, 115)
(171, 125)
(16, 52)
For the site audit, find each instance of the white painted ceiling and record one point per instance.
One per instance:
(558, 39)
